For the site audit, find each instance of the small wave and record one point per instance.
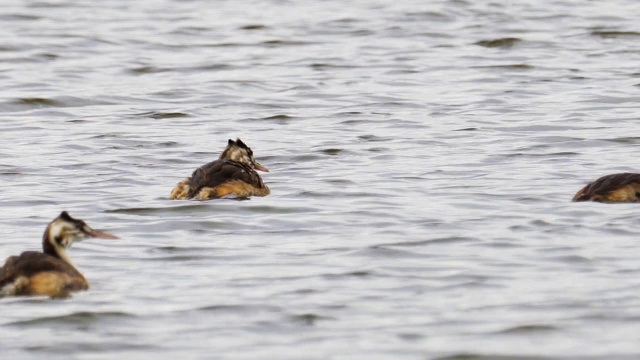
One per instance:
(504, 43)
(253, 27)
(445, 240)
(163, 115)
(176, 249)
(309, 319)
(430, 16)
(385, 252)
(265, 209)
(615, 34)
(357, 273)
(155, 210)
(28, 103)
(372, 138)
(471, 356)
(19, 17)
(147, 70)
(278, 117)
(625, 140)
(38, 102)
(285, 43)
(528, 329)
(332, 151)
(508, 66)
(318, 66)
(174, 253)
(573, 259)
(78, 318)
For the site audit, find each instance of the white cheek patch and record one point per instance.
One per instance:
(67, 242)
(62, 230)
(56, 229)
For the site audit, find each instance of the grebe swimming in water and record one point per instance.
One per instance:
(615, 188)
(50, 272)
(233, 174)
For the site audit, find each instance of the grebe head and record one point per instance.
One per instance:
(240, 152)
(63, 231)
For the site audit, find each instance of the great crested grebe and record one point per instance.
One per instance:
(614, 188)
(50, 272)
(233, 174)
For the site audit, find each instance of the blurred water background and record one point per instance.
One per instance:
(423, 155)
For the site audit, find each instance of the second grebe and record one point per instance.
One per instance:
(233, 174)
(614, 188)
(50, 272)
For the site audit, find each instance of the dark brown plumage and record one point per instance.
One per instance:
(623, 187)
(219, 172)
(50, 272)
(233, 174)
(36, 273)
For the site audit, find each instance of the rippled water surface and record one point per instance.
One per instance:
(422, 156)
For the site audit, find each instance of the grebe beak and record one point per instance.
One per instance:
(97, 234)
(257, 166)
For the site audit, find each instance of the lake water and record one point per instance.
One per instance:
(423, 156)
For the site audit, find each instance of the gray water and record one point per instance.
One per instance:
(423, 156)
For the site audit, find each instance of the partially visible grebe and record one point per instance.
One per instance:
(233, 174)
(50, 272)
(615, 188)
